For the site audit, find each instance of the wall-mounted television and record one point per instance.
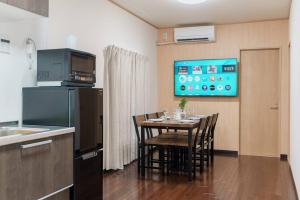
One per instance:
(211, 77)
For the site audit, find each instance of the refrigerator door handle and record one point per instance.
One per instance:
(89, 155)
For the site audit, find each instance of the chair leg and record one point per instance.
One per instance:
(161, 160)
(139, 160)
(195, 160)
(168, 161)
(149, 155)
(202, 157)
(207, 155)
(212, 152)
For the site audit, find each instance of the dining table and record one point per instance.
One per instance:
(188, 125)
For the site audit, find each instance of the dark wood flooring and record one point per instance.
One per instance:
(231, 178)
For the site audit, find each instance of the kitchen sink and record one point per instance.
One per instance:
(14, 131)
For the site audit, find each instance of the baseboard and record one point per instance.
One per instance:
(226, 153)
(294, 184)
(283, 157)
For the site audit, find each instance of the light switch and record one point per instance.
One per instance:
(4, 46)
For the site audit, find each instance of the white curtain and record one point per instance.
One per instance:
(126, 93)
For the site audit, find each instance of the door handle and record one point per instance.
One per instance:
(27, 146)
(274, 107)
(89, 155)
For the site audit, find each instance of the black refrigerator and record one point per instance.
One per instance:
(77, 107)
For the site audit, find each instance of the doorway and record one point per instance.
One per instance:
(259, 110)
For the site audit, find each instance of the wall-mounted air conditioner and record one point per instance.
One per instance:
(195, 34)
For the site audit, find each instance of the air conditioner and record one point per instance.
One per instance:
(195, 34)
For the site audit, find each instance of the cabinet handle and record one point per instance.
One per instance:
(89, 155)
(27, 146)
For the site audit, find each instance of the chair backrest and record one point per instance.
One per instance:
(214, 123)
(151, 116)
(160, 114)
(137, 120)
(204, 125)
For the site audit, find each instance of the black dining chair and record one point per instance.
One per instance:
(210, 139)
(151, 146)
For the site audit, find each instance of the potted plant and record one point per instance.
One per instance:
(182, 105)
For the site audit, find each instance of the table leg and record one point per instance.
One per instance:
(190, 132)
(143, 151)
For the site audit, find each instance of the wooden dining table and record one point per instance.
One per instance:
(169, 124)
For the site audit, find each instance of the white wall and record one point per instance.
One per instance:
(97, 24)
(295, 91)
(14, 68)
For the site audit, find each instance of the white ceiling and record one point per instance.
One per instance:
(171, 13)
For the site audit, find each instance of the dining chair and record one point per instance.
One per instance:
(137, 120)
(159, 115)
(210, 139)
(152, 149)
(151, 116)
(180, 142)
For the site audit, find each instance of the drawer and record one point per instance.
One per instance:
(37, 168)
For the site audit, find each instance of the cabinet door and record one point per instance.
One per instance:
(36, 169)
(47, 168)
(40, 7)
(10, 172)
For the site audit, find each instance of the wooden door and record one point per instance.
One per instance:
(259, 102)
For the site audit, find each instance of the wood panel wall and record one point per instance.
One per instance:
(230, 40)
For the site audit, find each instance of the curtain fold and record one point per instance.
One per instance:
(126, 93)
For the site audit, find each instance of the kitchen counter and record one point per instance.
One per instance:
(40, 133)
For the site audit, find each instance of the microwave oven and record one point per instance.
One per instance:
(65, 67)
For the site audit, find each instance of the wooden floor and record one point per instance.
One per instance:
(230, 178)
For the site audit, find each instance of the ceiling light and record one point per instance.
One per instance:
(191, 2)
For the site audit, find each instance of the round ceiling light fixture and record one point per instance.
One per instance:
(191, 2)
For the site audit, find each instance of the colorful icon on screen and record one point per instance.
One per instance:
(182, 87)
(190, 78)
(197, 69)
(212, 78)
(204, 87)
(204, 79)
(212, 69)
(183, 70)
(220, 87)
(220, 78)
(190, 87)
(197, 87)
(197, 78)
(182, 79)
(228, 87)
(212, 87)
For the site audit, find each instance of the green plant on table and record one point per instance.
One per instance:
(182, 104)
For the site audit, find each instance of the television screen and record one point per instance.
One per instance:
(215, 77)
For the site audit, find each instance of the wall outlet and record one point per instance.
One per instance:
(4, 46)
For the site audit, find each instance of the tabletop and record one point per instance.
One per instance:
(171, 124)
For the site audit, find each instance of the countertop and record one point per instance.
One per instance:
(50, 132)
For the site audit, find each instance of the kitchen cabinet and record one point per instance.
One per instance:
(40, 7)
(35, 169)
